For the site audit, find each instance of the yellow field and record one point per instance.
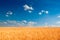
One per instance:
(20, 33)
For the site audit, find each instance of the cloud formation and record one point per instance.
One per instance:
(31, 23)
(58, 22)
(58, 16)
(46, 12)
(40, 13)
(43, 11)
(17, 23)
(28, 8)
(9, 13)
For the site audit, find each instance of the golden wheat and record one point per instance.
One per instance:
(29, 33)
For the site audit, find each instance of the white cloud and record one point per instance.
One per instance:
(29, 11)
(31, 23)
(5, 22)
(40, 13)
(17, 23)
(58, 16)
(7, 15)
(11, 21)
(53, 25)
(24, 21)
(28, 8)
(46, 12)
(31, 8)
(43, 11)
(58, 22)
(9, 12)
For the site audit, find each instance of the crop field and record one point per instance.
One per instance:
(26, 33)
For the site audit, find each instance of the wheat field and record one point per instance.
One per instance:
(26, 33)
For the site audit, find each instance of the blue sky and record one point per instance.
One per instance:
(29, 12)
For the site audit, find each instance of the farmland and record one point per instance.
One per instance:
(26, 33)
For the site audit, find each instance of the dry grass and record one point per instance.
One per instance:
(29, 33)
